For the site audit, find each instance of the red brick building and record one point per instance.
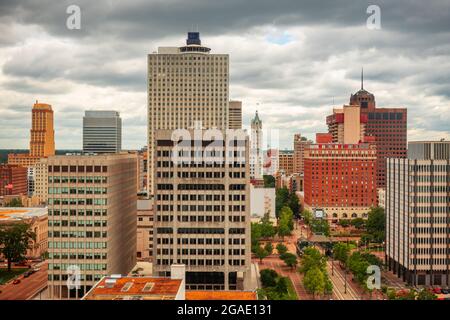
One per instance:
(13, 180)
(387, 125)
(340, 179)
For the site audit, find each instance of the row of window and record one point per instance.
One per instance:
(78, 179)
(200, 218)
(76, 245)
(81, 169)
(78, 190)
(79, 201)
(202, 241)
(81, 266)
(79, 256)
(202, 262)
(77, 223)
(200, 252)
(79, 212)
(77, 234)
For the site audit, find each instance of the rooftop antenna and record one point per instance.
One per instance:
(362, 78)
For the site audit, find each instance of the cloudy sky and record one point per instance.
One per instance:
(291, 60)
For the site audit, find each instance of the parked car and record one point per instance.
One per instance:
(445, 290)
(16, 281)
(36, 269)
(26, 274)
(437, 290)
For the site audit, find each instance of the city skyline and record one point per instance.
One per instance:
(284, 64)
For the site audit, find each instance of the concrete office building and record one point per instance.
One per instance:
(91, 219)
(235, 115)
(102, 132)
(418, 214)
(187, 86)
(202, 211)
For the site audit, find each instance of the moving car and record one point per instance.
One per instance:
(16, 281)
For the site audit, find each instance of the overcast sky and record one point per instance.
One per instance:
(288, 59)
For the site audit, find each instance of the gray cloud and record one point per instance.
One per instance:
(293, 58)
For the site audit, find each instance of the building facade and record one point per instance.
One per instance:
(256, 152)
(387, 125)
(235, 115)
(102, 132)
(418, 214)
(91, 220)
(13, 180)
(286, 162)
(202, 211)
(299, 150)
(340, 179)
(347, 125)
(42, 137)
(145, 217)
(187, 87)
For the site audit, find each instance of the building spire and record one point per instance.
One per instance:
(362, 78)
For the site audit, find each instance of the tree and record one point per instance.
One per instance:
(312, 258)
(307, 216)
(376, 224)
(260, 253)
(281, 199)
(314, 281)
(269, 248)
(281, 248)
(341, 252)
(289, 259)
(358, 223)
(282, 286)
(268, 277)
(320, 226)
(15, 202)
(269, 181)
(294, 204)
(267, 230)
(15, 240)
(425, 294)
(344, 223)
(285, 224)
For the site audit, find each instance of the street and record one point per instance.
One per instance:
(27, 287)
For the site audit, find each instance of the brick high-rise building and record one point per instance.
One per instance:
(418, 214)
(91, 220)
(187, 87)
(340, 179)
(13, 180)
(42, 140)
(387, 125)
(202, 211)
(286, 162)
(300, 143)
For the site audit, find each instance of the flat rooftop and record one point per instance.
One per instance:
(134, 288)
(16, 214)
(221, 295)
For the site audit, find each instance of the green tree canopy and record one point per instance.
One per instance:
(289, 259)
(312, 258)
(268, 277)
(314, 281)
(341, 252)
(269, 181)
(376, 224)
(281, 248)
(15, 240)
(358, 223)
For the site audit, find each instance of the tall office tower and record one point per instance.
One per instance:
(300, 143)
(91, 220)
(41, 181)
(235, 115)
(202, 211)
(418, 214)
(340, 179)
(187, 87)
(102, 132)
(13, 180)
(286, 162)
(42, 140)
(347, 125)
(256, 152)
(387, 125)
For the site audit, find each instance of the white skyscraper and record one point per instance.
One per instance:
(256, 148)
(186, 86)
